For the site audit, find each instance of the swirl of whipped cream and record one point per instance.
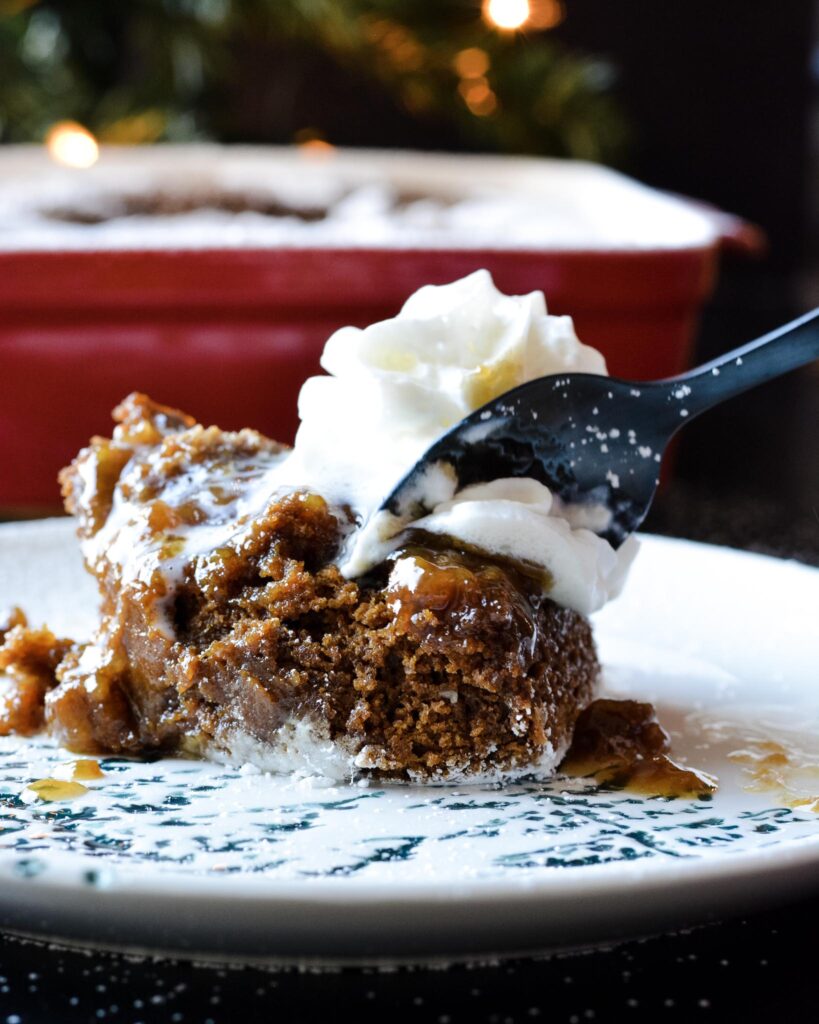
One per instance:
(396, 386)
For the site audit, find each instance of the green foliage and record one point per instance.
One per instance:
(142, 70)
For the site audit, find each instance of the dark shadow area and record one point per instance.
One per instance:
(753, 969)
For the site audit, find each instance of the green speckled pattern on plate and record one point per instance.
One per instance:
(189, 818)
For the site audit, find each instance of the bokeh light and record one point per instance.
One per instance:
(312, 144)
(70, 144)
(546, 14)
(471, 63)
(507, 14)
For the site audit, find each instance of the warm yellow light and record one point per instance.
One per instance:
(407, 56)
(507, 14)
(546, 14)
(471, 63)
(70, 144)
(474, 90)
(479, 97)
(484, 107)
(311, 144)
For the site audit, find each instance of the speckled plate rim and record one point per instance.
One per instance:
(322, 924)
(68, 872)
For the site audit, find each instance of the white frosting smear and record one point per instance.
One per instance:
(396, 386)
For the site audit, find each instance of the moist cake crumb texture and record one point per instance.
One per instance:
(228, 630)
(28, 665)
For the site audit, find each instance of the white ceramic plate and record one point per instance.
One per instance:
(188, 856)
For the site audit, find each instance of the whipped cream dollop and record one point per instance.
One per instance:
(396, 386)
(393, 389)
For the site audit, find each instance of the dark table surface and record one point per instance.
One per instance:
(754, 968)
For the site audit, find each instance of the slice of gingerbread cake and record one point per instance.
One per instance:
(241, 619)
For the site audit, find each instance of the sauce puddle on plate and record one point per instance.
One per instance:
(777, 767)
(776, 748)
(621, 745)
(52, 790)
(67, 783)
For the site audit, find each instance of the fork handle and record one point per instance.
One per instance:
(784, 349)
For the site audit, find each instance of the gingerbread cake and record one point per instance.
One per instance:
(242, 621)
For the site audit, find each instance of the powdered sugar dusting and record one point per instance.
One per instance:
(356, 199)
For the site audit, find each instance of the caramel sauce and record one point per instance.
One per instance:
(163, 517)
(438, 587)
(222, 495)
(83, 770)
(67, 782)
(9, 618)
(783, 769)
(171, 547)
(28, 663)
(621, 744)
(107, 467)
(51, 790)
(455, 585)
(532, 580)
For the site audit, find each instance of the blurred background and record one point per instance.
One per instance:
(715, 101)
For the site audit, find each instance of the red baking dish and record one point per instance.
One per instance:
(229, 331)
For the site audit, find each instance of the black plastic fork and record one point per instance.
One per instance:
(598, 441)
